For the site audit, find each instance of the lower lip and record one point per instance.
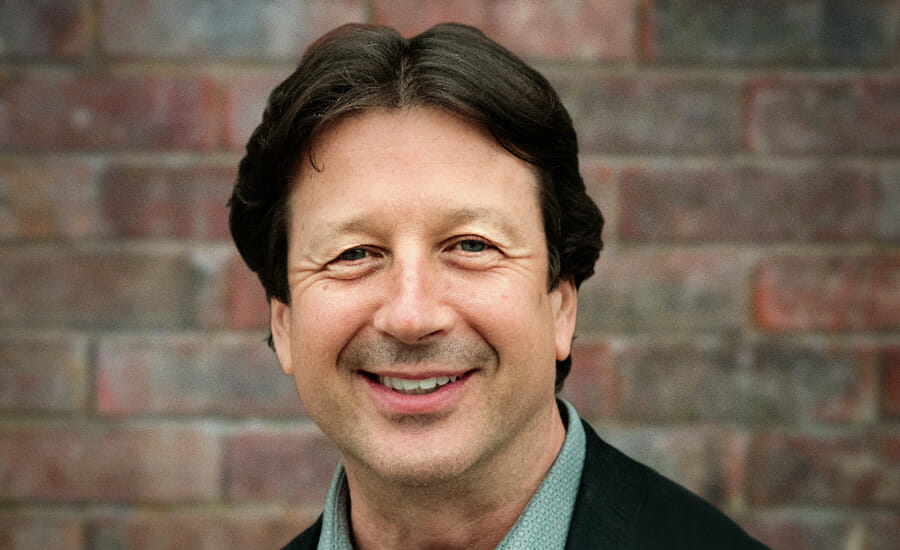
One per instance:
(396, 403)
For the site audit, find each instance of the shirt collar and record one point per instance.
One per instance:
(543, 524)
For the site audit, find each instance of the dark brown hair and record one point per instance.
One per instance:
(452, 67)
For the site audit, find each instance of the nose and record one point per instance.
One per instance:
(412, 308)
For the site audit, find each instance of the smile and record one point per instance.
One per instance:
(416, 387)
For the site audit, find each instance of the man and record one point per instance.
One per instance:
(414, 211)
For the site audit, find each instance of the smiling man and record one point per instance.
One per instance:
(414, 211)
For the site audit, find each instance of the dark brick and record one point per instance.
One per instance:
(83, 112)
(660, 114)
(96, 288)
(888, 214)
(206, 28)
(593, 29)
(708, 461)
(663, 291)
(43, 373)
(42, 198)
(44, 28)
(850, 469)
(890, 384)
(30, 531)
(157, 201)
(801, 530)
(835, 293)
(825, 116)
(233, 529)
(67, 464)
(761, 382)
(293, 465)
(774, 32)
(245, 101)
(746, 203)
(592, 385)
(234, 375)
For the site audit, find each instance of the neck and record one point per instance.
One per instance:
(473, 511)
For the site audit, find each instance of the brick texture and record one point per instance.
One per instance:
(741, 333)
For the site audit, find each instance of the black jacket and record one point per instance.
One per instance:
(624, 505)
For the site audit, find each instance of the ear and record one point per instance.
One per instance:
(564, 301)
(280, 320)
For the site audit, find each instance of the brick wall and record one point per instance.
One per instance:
(742, 334)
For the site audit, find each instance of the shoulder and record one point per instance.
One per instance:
(624, 504)
(307, 540)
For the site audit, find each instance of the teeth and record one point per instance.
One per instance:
(416, 386)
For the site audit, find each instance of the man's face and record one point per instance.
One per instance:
(421, 334)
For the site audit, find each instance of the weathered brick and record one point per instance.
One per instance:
(660, 114)
(233, 375)
(198, 530)
(708, 461)
(245, 101)
(86, 112)
(246, 304)
(882, 532)
(845, 469)
(29, 531)
(293, 465)
(43, 373)
(774, 32)
(154, 201)
(57, 286)
(746, 203)
(890, 384)
(42, 198)
(594, 29)
(671, 291)
(825, 116)
(716, 381)
(888, 214)
(76, 463)
(51, 28)
(206, 28)
(801, 530)
(830, 293)
(592, 385)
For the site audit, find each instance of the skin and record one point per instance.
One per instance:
(417, 250)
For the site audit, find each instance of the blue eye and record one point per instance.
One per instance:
(353, 255)
(472, 245)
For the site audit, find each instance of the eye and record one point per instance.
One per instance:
(353, 255)
(472, 245)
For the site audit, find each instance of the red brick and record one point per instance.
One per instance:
(85, 112)
(850, 469)
(592, 385)
(801, 530)
(189, 529)
(293, 465)
(42, 198)
(595, 29)
(75, 463)
(888, 214)
(233, 375)
(43, 373)
(675, 291)
(890, 384)
(659, 114)
(716, 381)
(746, 203)
(247, 307)
(198, 28)
(882, 532)
(50, 286)
(828, 293)
(58, 28)
(708, 461)
(158, 201)
(28, 531)
(825, 116)
(245, 101)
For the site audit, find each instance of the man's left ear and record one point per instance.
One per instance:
(564, 301)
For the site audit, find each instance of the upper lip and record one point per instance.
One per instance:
(418, 375)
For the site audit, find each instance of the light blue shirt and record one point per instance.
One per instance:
(543, 524)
